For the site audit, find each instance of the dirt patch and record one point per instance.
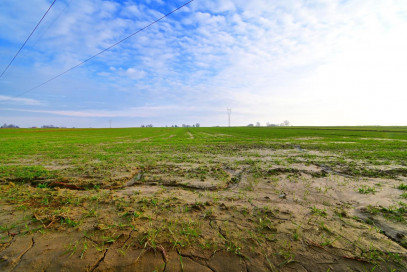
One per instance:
(191, 136)
(227, 211)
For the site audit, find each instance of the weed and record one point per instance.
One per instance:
(84, 249)
(110, 239)
(288, 257)
(71, 249)
(366, 190)
(319, 212)
(69, 222)
(233, 247)
(5, 228)
(91, 213)
(296, 236)
(324, 227)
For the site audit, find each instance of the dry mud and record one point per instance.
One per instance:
(171, 217)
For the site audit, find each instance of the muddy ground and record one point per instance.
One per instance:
(237, 212)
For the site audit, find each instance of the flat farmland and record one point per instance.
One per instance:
(204, 199)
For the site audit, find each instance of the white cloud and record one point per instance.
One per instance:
(20, 101)
(133, 73)
(147, 111)
(319, 62)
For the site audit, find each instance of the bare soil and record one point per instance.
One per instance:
(301, 217)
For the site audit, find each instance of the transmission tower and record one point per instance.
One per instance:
(229, 111)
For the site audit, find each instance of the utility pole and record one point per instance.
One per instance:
(229, 111)
(110, 123)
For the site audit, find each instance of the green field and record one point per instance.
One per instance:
(220, 199)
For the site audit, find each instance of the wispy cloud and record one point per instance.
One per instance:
(144, 112)
(21, 101)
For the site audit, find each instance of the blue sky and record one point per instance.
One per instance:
(313, 62)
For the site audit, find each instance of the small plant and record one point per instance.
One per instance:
(71, 249)
(372, 210)
(395, 257)
(324, 227)
(366, 190)
(402, 187)
(316, 211)
(189, 231)
(110, 239)
(208, 213)
(328, 242)
(395, 213)
(85, 247)
(45, 201)
(69, 222)
(181, 262)
(232, 247)
(4, 228)
(91, 213)
(42, 185)
(341, 213)
(154, 202)
(288, 257)
(296, 236)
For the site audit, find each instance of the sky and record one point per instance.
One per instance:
(311, 62)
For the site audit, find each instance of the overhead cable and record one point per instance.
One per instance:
(32, 32)
(106, 49)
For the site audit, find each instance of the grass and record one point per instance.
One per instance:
(71, 179)
(397, 213)
(366, 190)
(319, 212)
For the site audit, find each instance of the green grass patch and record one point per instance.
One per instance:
(24, 173)
(366, 190)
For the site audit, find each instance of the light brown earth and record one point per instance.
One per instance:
(171, 217)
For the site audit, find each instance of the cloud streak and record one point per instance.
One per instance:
(143, 112)
(20, 101)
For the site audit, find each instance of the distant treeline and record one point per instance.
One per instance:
(44, 126)
(286, 123)
(9, 126)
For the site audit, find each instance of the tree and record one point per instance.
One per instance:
(9, 126)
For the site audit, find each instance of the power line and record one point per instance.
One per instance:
(52, 22)
(32, 32)
(106, 49)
